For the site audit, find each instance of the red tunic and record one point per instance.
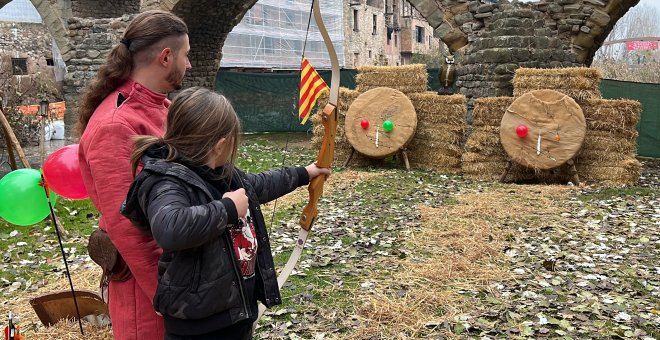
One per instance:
(105, 151)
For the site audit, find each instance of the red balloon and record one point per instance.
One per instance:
(522, 131)
(364, 123)
(62, 173)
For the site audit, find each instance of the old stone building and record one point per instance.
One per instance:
(384, 32)
(26, 45)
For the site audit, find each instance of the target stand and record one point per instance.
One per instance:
(380, 123)
(543, 130)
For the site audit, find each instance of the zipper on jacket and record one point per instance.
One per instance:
(197, 270)
(241, 288)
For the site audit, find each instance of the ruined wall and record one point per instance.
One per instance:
(30, 41)
(25, 40)
(491, 40)
(92, 40)
(104, 8)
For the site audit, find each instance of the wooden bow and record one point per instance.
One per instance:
(324, 159)
(327, 150)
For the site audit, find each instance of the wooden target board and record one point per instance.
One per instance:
(543, 129)
(380, 122)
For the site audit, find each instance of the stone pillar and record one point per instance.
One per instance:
(513, 37)
(92, 40)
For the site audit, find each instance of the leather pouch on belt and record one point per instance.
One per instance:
(103, 252)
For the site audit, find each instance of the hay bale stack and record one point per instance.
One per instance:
(407, 78)
(342, 147)
(608, 153)
(440, 130)
(488, 111)
(485, 158)
(579, 83)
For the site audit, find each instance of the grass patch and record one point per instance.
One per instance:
(609, 193)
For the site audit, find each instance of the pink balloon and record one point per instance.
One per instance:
(62, 173)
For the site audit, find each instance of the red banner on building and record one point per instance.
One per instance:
(641, 45)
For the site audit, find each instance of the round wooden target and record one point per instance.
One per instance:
(375, 107)
(555, 128)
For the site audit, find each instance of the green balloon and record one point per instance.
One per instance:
(23, 199)
(388, 125)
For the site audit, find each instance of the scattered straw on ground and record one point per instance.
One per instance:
(84, 277)
(459, 246)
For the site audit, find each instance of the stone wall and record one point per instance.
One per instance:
(512, 37)
(30, 41)
(104, 8)
(491, 40)
(92, 40)
(26, 40)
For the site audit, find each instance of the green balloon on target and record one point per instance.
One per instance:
(388, 125)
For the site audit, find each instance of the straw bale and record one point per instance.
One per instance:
(488, 111)
(432, 108)
(433, 160)
(407, 78)
(616, 116)
(579, 83)
(601, 157)
(625, 172)
(586, 72)
(608, 142)
(436, 146)
(345, 99)
(407, 89)
(447, 133)
(483, 171)
(473, 157)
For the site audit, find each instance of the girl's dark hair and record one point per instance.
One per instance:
(197, 119)
(146, 30)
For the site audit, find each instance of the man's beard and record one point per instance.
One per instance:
(175, 79)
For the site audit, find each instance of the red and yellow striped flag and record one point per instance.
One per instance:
(311, 87)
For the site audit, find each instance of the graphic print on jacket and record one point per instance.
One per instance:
(244, 238)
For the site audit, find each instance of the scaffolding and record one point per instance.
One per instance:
(272, 34)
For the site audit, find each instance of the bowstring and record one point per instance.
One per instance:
(288, 136)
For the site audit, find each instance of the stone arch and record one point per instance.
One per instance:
(54, 16)
(493, 38)
(209, 22)
(104, 9)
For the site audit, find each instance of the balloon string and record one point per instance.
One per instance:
(59, 239)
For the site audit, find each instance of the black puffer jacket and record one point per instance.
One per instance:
(199, 282)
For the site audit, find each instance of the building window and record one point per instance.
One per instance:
(420, 34)
(356, 59)
(19, 66)
(50, 62)
(375, 25)
(396, 40)
(356, 28)
(369, 54)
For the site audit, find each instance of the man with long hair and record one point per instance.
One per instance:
(128, 97)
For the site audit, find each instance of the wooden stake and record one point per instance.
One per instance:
(13, 142)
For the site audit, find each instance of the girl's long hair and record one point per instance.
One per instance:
(146, 30)
(197, 119)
